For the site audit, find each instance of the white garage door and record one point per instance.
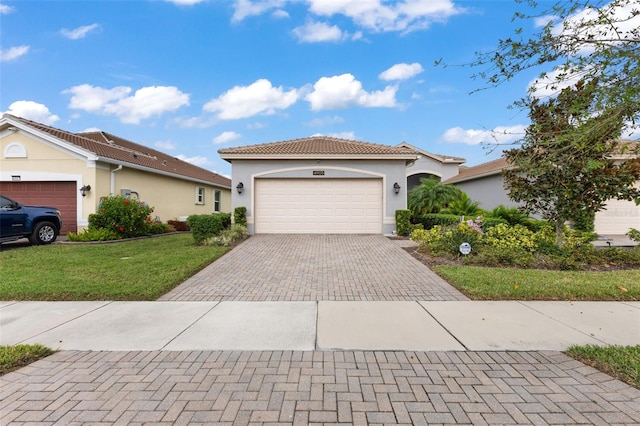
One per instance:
(617, 218)
(318, 206)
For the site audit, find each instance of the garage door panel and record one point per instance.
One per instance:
(318, 206)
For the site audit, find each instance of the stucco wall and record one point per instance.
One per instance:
(428, 165)
(390, 171)
(489, 191)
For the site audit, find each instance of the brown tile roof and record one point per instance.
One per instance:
(485, 169)
(316, 145)
(111, 148)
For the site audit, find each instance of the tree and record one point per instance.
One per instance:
(590, 40)
(564, 166)
(431, 196)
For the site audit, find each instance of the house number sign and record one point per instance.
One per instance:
(318, 172)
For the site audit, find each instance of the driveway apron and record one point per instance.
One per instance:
(314, 268)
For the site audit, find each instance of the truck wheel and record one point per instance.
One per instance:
(44, 233)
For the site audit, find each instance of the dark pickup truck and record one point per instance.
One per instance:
(40, 224)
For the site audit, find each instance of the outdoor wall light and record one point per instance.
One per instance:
(85, 189)
(240, 188)
(396, 188)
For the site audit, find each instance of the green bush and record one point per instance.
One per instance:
(403, 222)
(585, 221)
(227, 237)
(127, 218)
(511, 238)
(512, 215)
(430, 220)
(93, 234)
(490, 222)
(205, 226)
(502, 256)
(240, 216)
(634, 235)
(446, 241)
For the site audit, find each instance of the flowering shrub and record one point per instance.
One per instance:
(125, 217)
(439, 240)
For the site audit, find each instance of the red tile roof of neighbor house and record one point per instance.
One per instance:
(121, 151)
(438, 157)
(316, 145)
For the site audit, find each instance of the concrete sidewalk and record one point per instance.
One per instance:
(323, 325)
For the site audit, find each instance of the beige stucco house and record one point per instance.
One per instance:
(43, 165)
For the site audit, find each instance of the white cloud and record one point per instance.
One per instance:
(316, 32)
(78, 33)
(225, 137)
(197, 160)
(144, 103)
(401, 72)
(259, 97)
(32, 111)
(344, 90)
(5, 10)
(245, 8)
(325, 121)
(165, 145)
(551, 84)
(380, 16)
(91, 130)
(12, 53)
(500, 135)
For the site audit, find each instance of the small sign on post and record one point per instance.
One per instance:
(465, 248)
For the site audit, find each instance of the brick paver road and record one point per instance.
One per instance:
(316, 267)
(315, 388)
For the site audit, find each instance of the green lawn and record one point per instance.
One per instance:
(142, 269)
(482, 283)
(14, 357)
(620, 362)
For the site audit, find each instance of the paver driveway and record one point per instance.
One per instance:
(316, 267)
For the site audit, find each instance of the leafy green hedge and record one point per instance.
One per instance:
(403, 222)
(430, 220)
(205, 226)
(240, 216)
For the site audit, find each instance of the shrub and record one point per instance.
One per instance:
(433, 219)
(127, 218)
(228, 236)
(511, 238)
(512, 215)
(490, 222)
(93, 234)
(240, 216)
(178, 225)
(634, 235)
(205, 226)
(585, 221)
(403, 222)
(501, 256)
(156, 227)
(447, 240)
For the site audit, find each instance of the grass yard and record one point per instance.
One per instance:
(17, 356)
(142, 269)
(620, 362)
(482, 283)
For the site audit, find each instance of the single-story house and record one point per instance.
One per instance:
(73, 171)
(320, 185)
(484, 183)
(430, 165)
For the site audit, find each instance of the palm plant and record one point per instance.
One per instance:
(463, 206)
(431, 196)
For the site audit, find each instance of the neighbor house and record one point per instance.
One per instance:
(320, 185)
(73, 171)
(484, 183)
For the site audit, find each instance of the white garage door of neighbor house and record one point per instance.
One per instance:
(617, 218)
(318, 206)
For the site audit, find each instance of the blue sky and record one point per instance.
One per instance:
(189, 77)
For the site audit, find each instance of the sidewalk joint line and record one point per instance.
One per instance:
(190, 325)
(442, 325)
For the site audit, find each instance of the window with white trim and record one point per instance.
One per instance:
(200, 195)
(216, 201)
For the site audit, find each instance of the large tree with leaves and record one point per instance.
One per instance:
(590, 40)
(565, 165)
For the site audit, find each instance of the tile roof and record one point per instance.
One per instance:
(438, 157)
(485, 169)
(111, 148)
(316, 145)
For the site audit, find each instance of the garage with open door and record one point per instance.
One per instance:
(61, 195)
(318, 206)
